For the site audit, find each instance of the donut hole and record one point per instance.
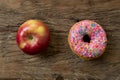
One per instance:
(86, 38)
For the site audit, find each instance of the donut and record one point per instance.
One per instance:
(87, 39)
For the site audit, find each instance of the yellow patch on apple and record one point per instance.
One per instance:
(32, 21)
(22, 45)
(40, 30)
(32, 24)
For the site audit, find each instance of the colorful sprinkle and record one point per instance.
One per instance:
(93, 24)
(97, 43)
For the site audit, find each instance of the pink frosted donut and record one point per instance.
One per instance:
(87, 39)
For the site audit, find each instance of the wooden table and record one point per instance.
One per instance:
(59, 62)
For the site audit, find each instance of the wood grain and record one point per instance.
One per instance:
(59, 62)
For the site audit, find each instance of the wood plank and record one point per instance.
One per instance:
(59, 62)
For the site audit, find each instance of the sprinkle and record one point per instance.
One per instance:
(98, 39)
(93, 25)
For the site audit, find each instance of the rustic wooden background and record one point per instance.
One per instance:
(58, 63)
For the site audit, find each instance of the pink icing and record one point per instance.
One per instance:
(97, 43)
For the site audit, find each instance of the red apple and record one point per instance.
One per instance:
(33, 37)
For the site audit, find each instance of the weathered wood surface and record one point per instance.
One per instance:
(58, 63)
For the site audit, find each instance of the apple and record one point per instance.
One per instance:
(33, 37)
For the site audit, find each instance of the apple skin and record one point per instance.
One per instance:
(33, 37)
